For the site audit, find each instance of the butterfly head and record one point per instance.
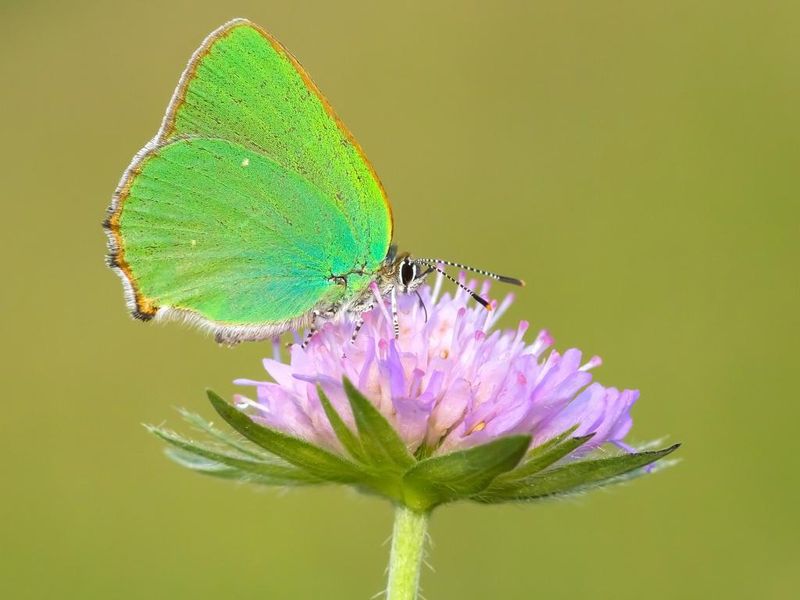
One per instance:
(406, 274)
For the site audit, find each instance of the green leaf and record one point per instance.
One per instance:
(236, 444)
(573, 478)
(544, 456)
(347, 438)
(549, 444)
(461, 474)
(220, 471)
(202, 457)
(206, 466)
(301, 453)
(382, 445)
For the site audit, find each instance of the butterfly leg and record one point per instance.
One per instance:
(395, 322)
(311, 330)
(360, 322)
(359, 325)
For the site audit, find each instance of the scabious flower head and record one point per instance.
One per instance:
(451, 380)
(454, 409)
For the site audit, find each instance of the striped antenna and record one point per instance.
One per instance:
(489, 274)
(478, 299)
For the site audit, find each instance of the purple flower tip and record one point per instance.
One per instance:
(449, 382)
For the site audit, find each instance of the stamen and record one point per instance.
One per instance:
(380, 301)
(543, 341)
(437, 286)
(593, 362)
(499, 310)
(480, 426)
(241, 402)
(521, 329)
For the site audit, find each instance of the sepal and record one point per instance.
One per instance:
(460, 475)
(308, 457)
(573, 478)
(219, 461)
(382, 445)
(373, 458)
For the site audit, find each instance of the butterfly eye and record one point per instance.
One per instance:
(408, 272)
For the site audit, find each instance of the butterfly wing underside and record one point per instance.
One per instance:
(251, 198)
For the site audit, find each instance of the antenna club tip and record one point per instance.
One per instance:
(522, 283)
(489, 307)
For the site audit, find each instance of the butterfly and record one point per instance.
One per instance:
(254, 211)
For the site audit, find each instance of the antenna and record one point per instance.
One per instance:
(477, 298)
(489, 274)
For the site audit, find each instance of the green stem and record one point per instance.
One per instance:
(408, 543)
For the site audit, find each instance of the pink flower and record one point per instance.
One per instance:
(451, 381)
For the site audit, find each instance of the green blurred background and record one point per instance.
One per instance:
(636, 162)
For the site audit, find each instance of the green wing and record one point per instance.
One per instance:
(252, 196)
(225, 231)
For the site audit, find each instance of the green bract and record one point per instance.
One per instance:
(507, 469)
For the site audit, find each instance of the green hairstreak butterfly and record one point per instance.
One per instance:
(253, 210)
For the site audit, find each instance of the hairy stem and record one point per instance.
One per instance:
(408, 543)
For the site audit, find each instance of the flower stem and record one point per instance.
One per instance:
(408, 543)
